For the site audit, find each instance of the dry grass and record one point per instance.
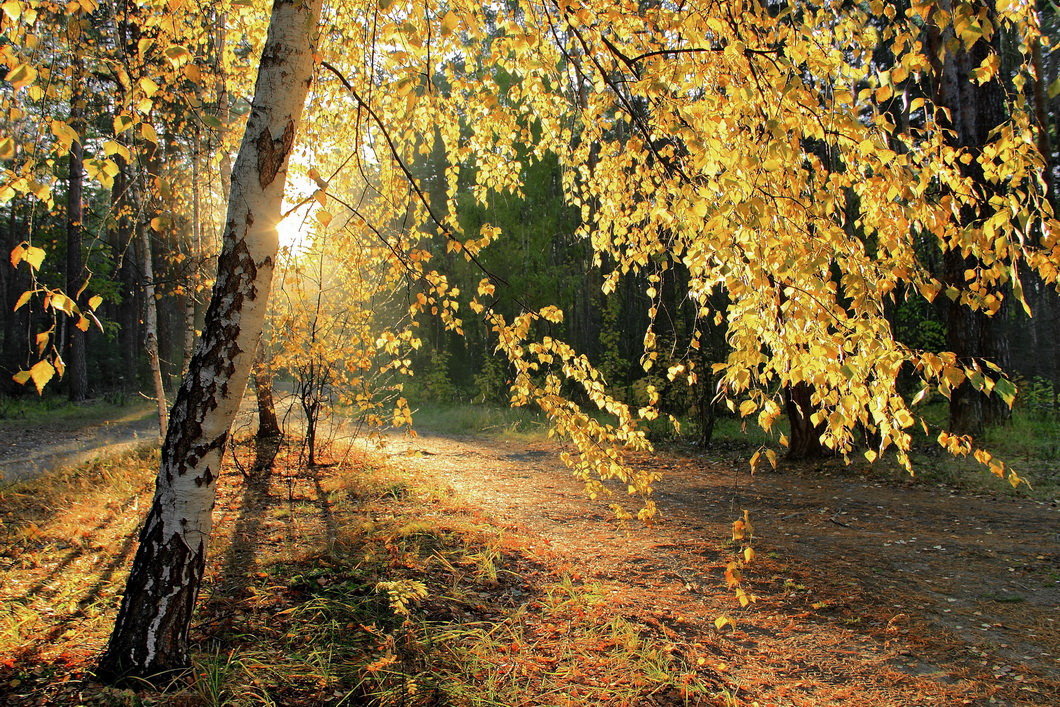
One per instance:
(293, 610)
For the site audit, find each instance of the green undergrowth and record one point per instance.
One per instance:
(1029, 442)
(351, 585)
(58, 410)
(516, 424)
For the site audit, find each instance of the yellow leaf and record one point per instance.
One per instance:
(7, 148)
(149, 133)
(42, 341)
(449, 23)
(23, 299)
(723, 621)
(81, 323)
(62, 302)
(748, 555)
(13, 9)
(64, 133)
(123, 122)
(94, 301)
(22, 377)
(742, 597)
(552, 314)
(1054, 89)
(148, 86)
(41, 373)
(739, 531)
(22, 75)
(176, 53)
(34, 256)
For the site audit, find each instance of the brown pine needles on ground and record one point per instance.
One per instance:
(418, 579)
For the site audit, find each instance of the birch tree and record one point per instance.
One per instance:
(151, 632)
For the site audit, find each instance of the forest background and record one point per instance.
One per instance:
(117, 157)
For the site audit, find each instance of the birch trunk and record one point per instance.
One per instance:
(151, 330)
(150, 636)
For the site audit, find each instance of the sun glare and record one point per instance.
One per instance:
(292, 231)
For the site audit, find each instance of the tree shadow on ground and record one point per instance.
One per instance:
(240, 559)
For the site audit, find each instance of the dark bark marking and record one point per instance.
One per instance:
(206, 479)
(272, 153)
(141, 608)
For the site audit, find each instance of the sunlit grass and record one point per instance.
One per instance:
(292, 611)
(493, 421)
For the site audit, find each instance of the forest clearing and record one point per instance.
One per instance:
(868, 591)
(735, 325)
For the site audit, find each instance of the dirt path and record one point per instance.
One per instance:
(30, 450)
(868, 593)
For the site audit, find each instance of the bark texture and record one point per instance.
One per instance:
(268, 423)
(804, 442)
(151, 330)
(976, 109)
(150, 635)
(76, 365)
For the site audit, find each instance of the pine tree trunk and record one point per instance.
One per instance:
(150, 638)
(804, 442)
(76, 364)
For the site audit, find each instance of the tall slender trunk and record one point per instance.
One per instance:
(151, 632)
(195, 251)
(151, 329)
(976, 109)
(76, 364)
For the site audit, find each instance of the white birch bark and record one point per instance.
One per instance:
(151, 331)
(150, 635)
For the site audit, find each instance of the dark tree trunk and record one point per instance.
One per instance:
(16, 324)
(976, 109)
(268, 424)
(76, 364)
(804, 442)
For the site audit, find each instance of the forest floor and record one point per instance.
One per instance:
(868, 592)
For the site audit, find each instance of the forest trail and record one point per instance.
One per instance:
(868, 592)
(28, 450)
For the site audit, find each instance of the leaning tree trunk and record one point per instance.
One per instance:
(150, 637)
(76, 365)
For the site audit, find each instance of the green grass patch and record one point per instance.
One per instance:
(491, 421)
(56, 409)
